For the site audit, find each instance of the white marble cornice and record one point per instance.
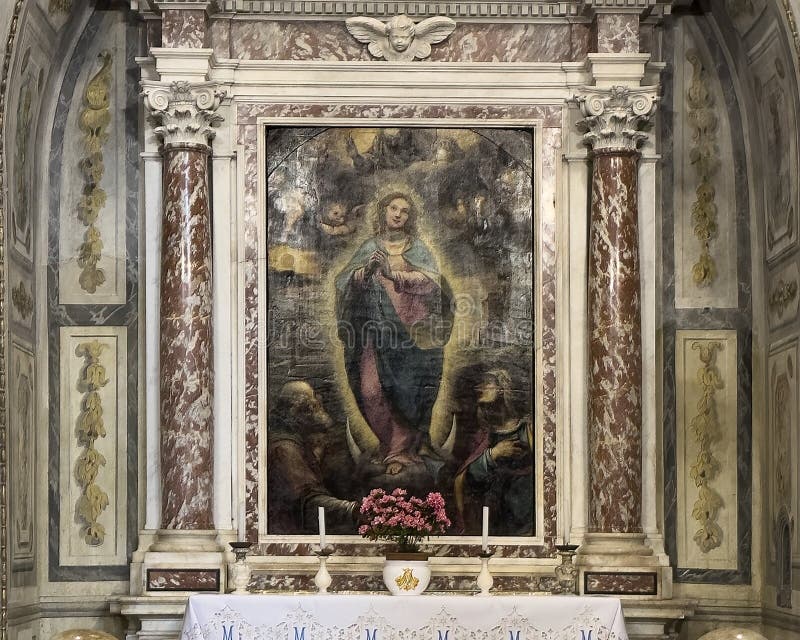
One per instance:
(157, 6)
(492, 9)
(186, 113)
(183, 63)
(614, 117)
(639, 7)
(486, 10)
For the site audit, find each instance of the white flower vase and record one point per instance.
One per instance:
(406, 574)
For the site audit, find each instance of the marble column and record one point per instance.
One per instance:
(612, 119)
(186, 114)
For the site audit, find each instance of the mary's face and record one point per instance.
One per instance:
(397, 214)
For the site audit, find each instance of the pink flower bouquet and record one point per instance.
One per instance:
(401, 519)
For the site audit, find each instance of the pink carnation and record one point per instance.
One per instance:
(403, 519)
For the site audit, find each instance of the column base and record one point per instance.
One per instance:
(623, 565)
(170, 562)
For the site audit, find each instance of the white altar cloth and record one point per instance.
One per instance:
(385, 617)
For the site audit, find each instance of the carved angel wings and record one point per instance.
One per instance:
(400, 38)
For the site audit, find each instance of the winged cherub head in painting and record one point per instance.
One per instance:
(400, 38)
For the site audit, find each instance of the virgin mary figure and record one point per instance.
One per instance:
(395, 317)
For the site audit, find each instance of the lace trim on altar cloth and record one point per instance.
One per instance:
(299, 624)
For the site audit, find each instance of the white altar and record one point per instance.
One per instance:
(385, 617)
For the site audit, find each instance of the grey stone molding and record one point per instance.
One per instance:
(495, 10)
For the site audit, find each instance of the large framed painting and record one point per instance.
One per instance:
(400, 324)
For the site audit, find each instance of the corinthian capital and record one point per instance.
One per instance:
(185, 112)
(614, 117)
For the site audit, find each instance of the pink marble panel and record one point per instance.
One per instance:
(441, 548)
(248, 138)
(186, 356)
(247, 116)
(582, 36)
(251, 401)
(183, 580)
(603, 583)
(264, 40)
(551, 144)
(475, 42)
(183, 28)
(617, 33)
(220, 30)
(615, 350)
(549, 115)
(369, 582)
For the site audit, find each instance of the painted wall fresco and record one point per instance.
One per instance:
(400, 323)
(779, 122)
(22, 449)
(110, 315)
(697, 567)
(26, 112)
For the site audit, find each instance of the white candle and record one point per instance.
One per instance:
(485, 529)
(321, 517)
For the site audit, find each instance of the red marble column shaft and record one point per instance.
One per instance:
(186, 343)
(615, 347)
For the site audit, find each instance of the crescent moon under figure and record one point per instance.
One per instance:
(400, 38)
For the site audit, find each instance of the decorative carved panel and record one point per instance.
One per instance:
(706, 385)
(93, 445)
(93, 189)
(778, 119)
(22, 439)
(782, 478)
(30, 73)
(705, 202)
(782, 295)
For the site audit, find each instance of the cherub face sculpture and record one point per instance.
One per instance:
(399, 38)
(400, 31)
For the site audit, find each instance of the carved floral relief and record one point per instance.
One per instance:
(704, 156)
(783, 444)
(705, 426)
(59, 6)
(22, 300)
(90, 428)
(93, 122)
(22, 161)
(782, 295)
(779, 122)
(783, 289)
(707, 445)
(22, 441)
